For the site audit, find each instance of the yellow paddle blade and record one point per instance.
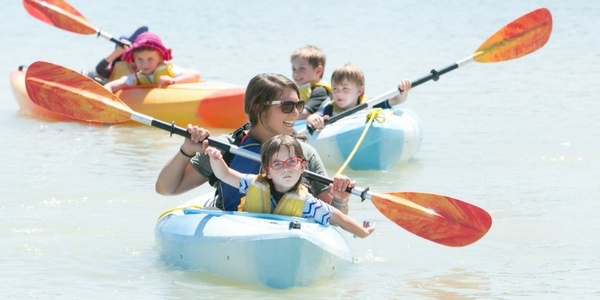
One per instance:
(73, 94)
(59, 13)
(521, 37)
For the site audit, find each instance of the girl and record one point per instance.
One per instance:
(153, 64)
(278, 188)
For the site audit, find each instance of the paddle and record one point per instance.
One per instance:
(59, 13)
(518, 38)
(438, 218)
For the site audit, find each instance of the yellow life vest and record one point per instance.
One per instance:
(307, 88)
(258, 199)
(165, 68)
(120, 69)
(337, 110)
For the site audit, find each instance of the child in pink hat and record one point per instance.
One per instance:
(152, 60)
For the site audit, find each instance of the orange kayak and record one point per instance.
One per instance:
(211, 104)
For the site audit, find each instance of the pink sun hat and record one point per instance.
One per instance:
(147, 40)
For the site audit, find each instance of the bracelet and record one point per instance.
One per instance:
(185, 154)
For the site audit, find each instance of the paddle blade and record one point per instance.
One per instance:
(59, 13)
(521, 37)
(73, 94)
(441, 219)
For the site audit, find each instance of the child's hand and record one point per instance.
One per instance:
(213, 153)
(403, 86)
(316, 121)
(368, 228)
(165, 80)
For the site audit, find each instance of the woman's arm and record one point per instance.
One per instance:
(178, 175)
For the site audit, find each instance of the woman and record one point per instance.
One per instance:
(272, 104)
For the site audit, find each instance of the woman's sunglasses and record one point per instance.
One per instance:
(290, 162)
(287, 106)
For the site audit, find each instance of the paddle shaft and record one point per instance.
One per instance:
(110, 38)
(433, 75)
(520, 37)
(174, 129)
(438, 218)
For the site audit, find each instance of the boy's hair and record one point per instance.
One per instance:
(312, 54)
(348, 72)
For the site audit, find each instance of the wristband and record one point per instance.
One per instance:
(185, 154)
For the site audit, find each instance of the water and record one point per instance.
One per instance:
(519, 139)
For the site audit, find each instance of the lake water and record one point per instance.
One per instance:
(520, 139)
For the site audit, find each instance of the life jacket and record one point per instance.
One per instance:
(258, 199)
(332, 108)
(228, 197)
(120, 69)
(165, 68)
(307, 88)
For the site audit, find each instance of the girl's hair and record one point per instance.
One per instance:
(262, 89)
(313, 55)
(348, 72)
(276, 143)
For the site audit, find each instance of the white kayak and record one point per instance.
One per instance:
(254, 249)
(394, 136)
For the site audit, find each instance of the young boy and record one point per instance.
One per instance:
(348, 88)
(153, 65)
(308, 66)
(279, 188)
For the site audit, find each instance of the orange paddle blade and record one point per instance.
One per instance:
(438, 218)
(521, 37)
(59, 13)
(73, 94)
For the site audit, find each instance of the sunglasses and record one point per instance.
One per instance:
(287, 106)
(290, 162)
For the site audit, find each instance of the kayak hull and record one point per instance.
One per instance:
(211, 104)
(252, 249)
(393, 138)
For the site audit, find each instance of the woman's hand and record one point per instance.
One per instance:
(198, 139)
(339, 186)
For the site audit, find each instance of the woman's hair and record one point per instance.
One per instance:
(276, 143)
(262, 89)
